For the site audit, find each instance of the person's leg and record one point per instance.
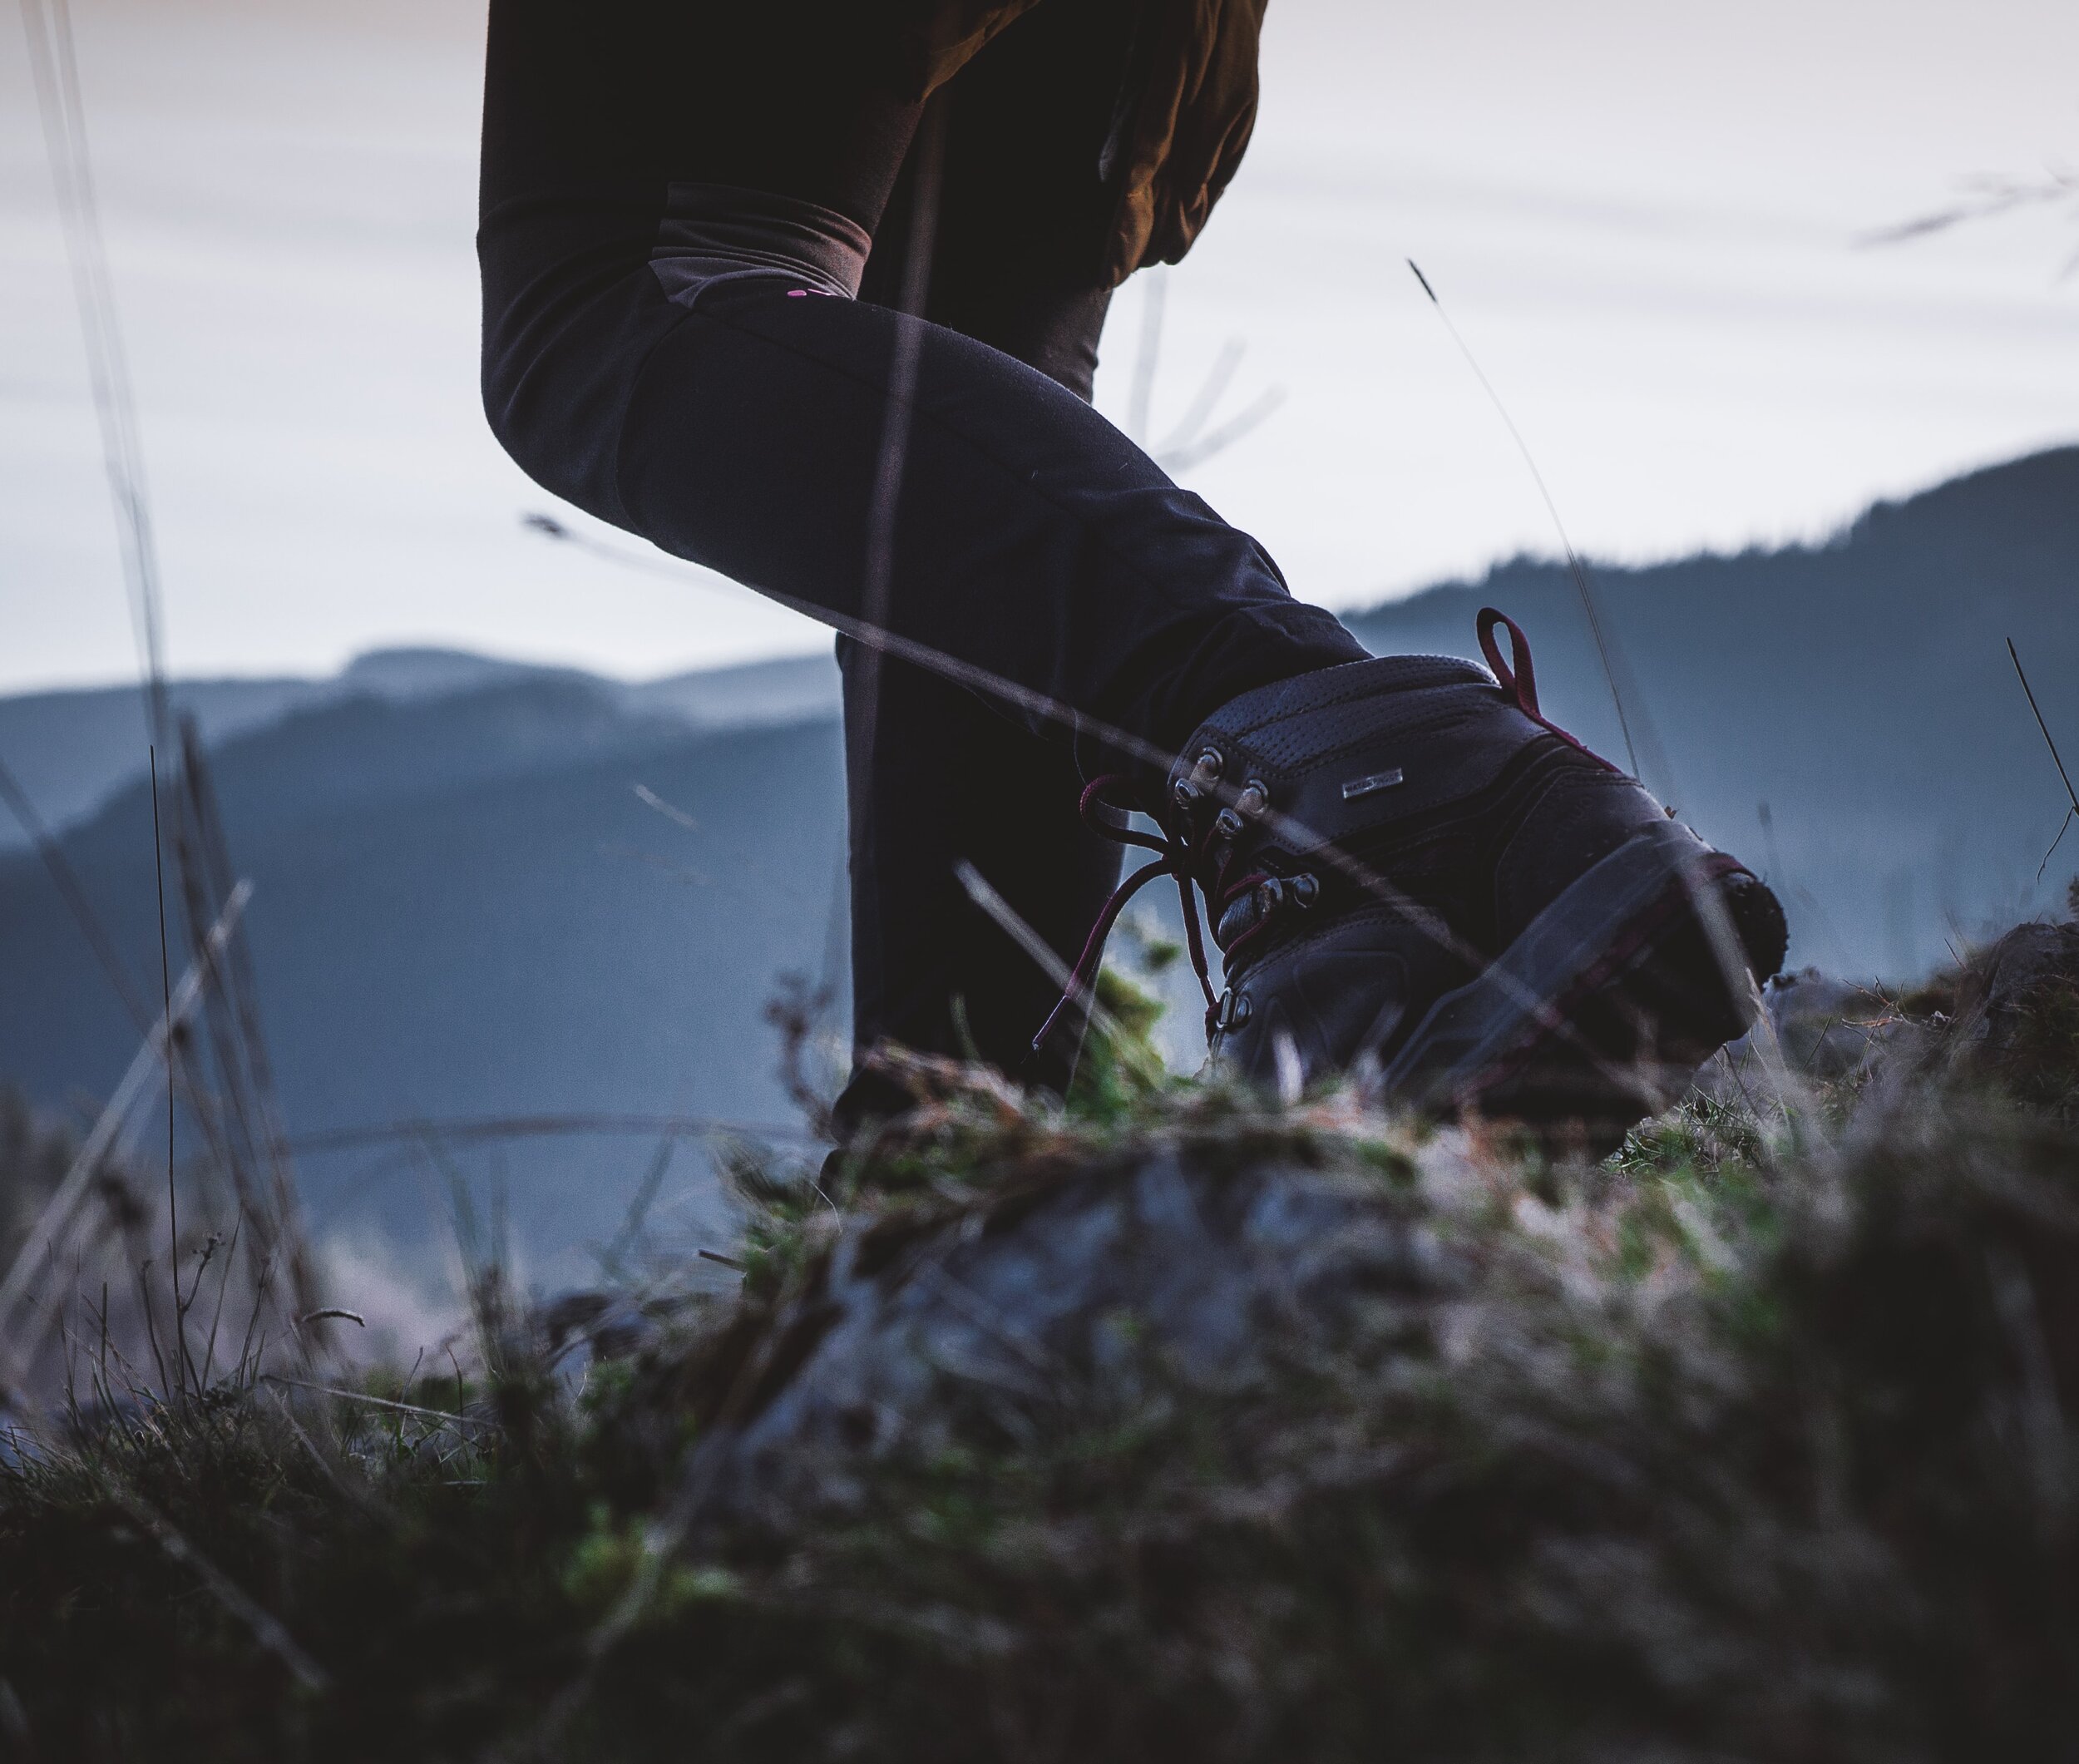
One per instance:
(938, 775)
(1023, 535)
(751, 430)
(592, 108)
(1020, 212)
(928, 787)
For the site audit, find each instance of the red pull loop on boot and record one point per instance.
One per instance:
(1520, 681)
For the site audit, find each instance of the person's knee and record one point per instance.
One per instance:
(516, 421)
(556, 428)
(498, 408)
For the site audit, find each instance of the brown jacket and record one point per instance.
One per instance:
(1186, 110)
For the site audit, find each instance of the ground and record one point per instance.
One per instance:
(1171, 1424)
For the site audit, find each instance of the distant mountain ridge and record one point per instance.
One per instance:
(464, 907)
(72, 749)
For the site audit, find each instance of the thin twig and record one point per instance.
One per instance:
(646, 1190)
(905, 363)
(1211, 390)
(669, 811)
(542, 1126)
(377, 1402)
(249, 1358)
(54, 62)
(165, 993)
(2055, 758)
(359, 1497)
(110, 1131)
(1574, 565)
(2063, 826)
(1049, 961)
(1990, 195)
(1242, 424)
(222, 1291)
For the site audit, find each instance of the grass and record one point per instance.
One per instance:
(1752, 1441)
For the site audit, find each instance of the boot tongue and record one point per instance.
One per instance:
(1378, 678)
(1277, 725)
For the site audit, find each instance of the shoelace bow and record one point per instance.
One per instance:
(1107, 806)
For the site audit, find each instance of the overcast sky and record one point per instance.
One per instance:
(1643, 216)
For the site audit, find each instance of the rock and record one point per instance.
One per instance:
(1827, 1030)
(2009, 1014)
(2017, 1017)
(2004, 986)
(1077, 1283)
(1174, 1264)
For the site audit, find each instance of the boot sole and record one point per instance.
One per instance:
(1601, 1010)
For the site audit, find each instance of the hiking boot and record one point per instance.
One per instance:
(1409, 865)
(1410, 871)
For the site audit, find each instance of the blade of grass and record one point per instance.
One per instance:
(2057, 758)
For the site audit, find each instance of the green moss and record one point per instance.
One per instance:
(1121, 1069)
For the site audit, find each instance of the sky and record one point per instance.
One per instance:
(1645, 219)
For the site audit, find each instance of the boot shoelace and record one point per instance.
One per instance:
(1178, 858)
(1107, 806)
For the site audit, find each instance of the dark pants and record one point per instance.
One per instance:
(1024, 537)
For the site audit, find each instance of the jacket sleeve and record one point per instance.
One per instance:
(1181, 134)
(1186, 108)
